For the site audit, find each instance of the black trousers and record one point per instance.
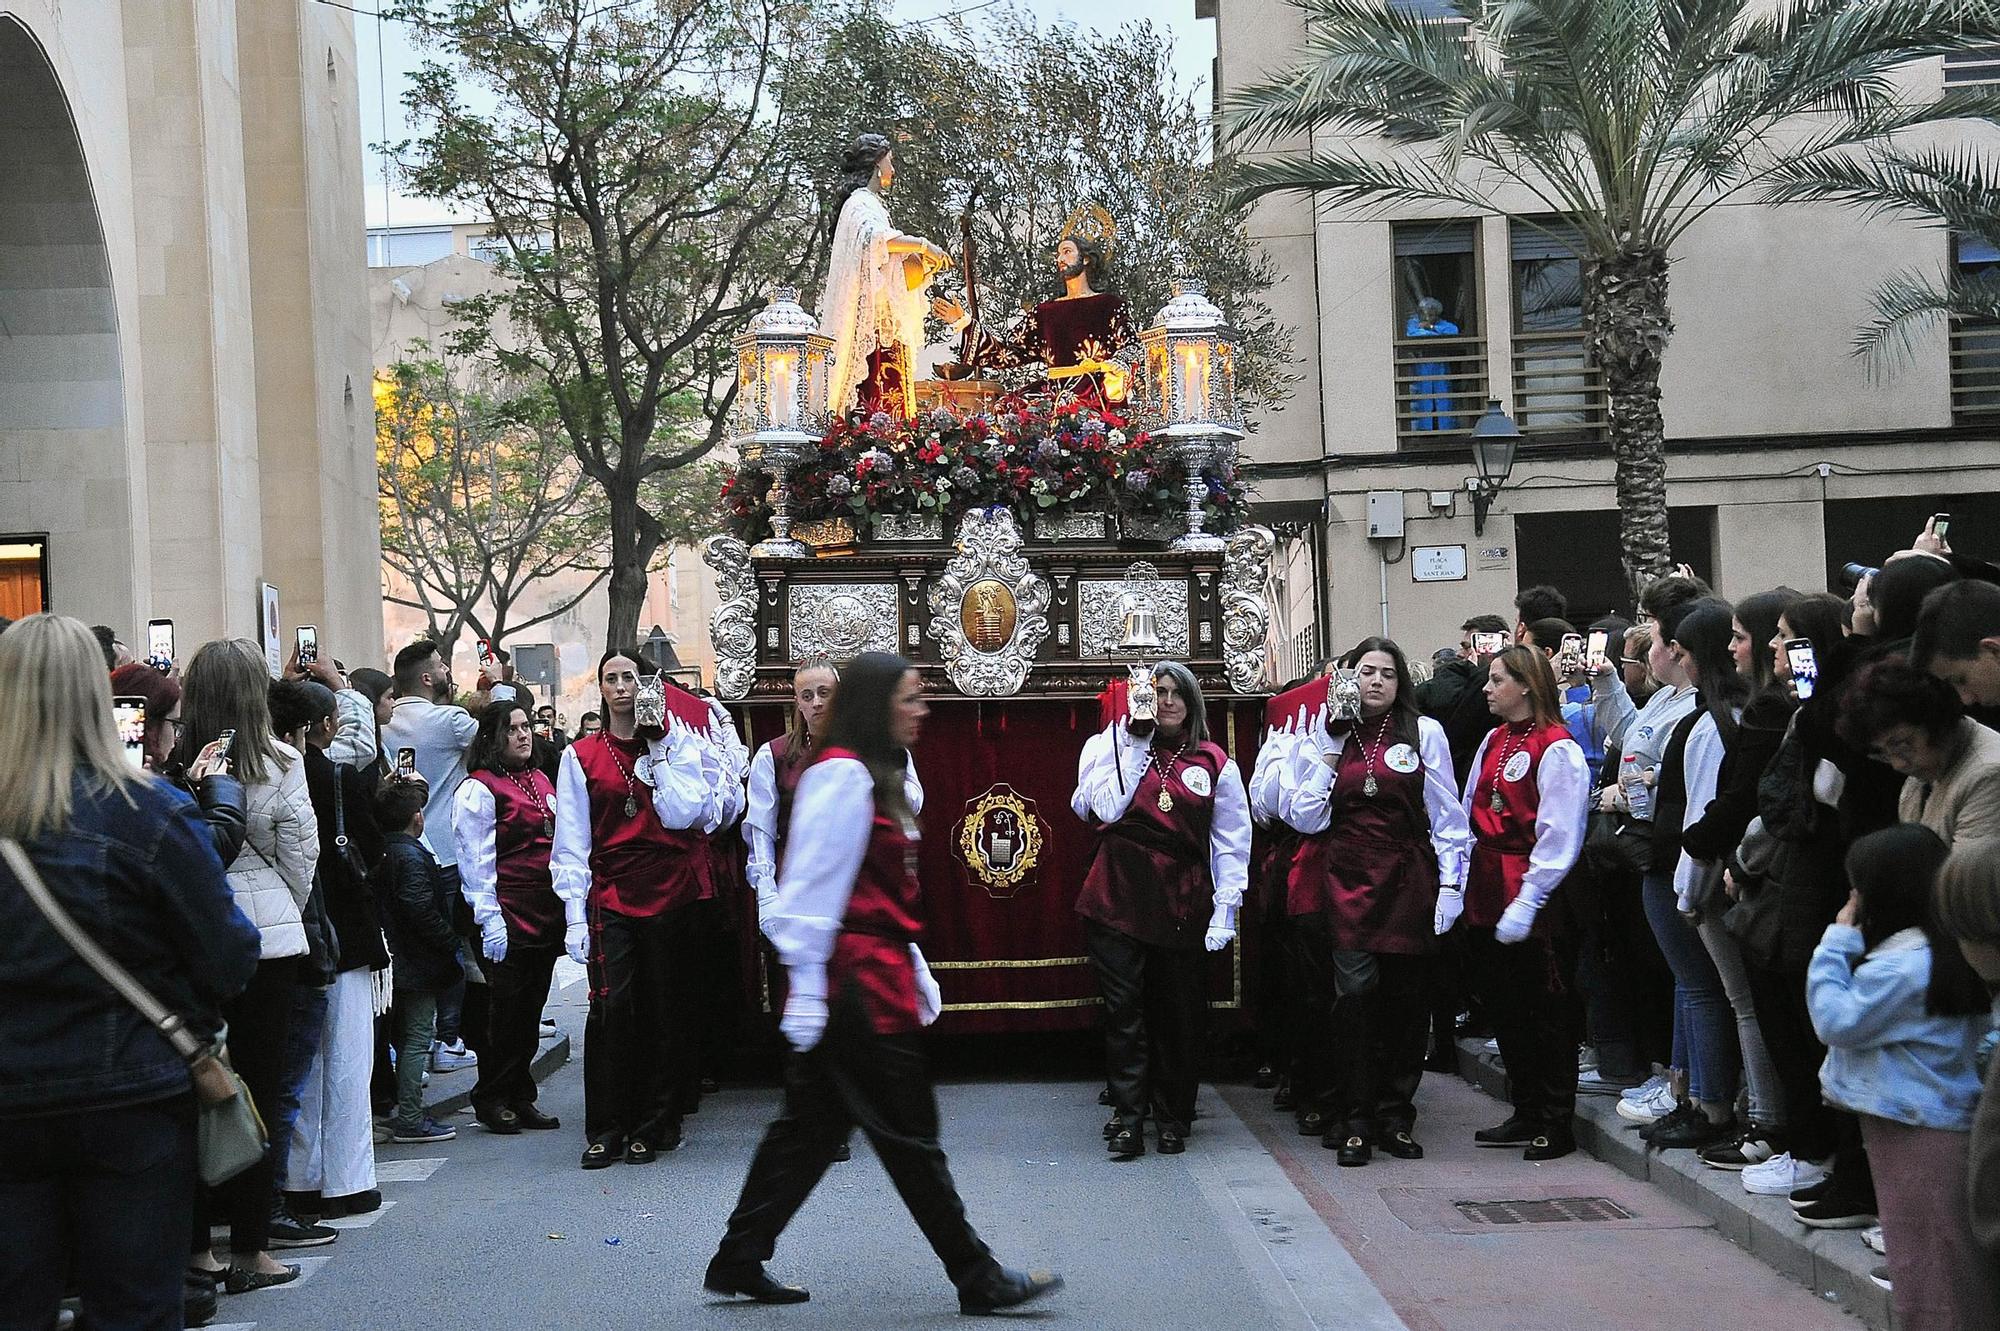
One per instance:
(1309, 987)
(637, 1039)
(260, 1020)
(718, 989)
(1530, 992)
(1640, 983)
(855, 1077)
(517, 989)
(1369, 1018)
(102, 1195)
(1154, 1007)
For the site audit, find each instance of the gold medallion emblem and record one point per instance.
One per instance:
(1000, 840)
(987, 615)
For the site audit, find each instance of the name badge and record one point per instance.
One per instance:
(1196, 779)
(1517, 767)
(1401, 758)
(643, 769)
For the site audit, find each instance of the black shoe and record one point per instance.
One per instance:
(842, 1153)
(1551, 1143)
(604, 1152)
(1401, 1145)
(1681, 1113)
(1697, 1130)
(639, 1151)
(1265, 1078)
(1104, 1096)
(1353, 1150)
(1111, 1127)
(1312, 1123)
(1817, 1192)
(1836, 1213)
(751, 1282)
(1002, 1288)
(709, 1086)
(1283, 1098)
(306, 1205)
(1172, 1141)
(535, 1120)
(1129, 1143)
(502, 1122)
(1516, 1131)
(355, 1203)
(288, 1231)
(242, 1280)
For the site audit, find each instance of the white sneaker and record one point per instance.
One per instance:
(1781, 1176)
(1649, 1110)
(1872, 1236)
(1646, 1089)
(451, 1057)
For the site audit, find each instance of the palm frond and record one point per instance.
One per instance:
(1349, 179)
(1957, 186)
(1911, 304)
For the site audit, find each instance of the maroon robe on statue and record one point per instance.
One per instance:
(1150, 877)
(872, 951)
(1373, 871)
(1060, 334)
(524, 810)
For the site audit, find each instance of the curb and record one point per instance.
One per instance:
(1833, 1264)
(547, 1059)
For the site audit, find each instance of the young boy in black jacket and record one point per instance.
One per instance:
(416, 912)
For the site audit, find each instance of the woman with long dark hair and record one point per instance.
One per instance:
(1525, 800)
(1377, 876)
(846, 923)
(1166, 879)
(870, 310)
(504, 819)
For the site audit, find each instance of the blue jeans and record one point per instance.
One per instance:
(106, 1193)
(1704, 1023)
(416, 1024)
(308, 1029)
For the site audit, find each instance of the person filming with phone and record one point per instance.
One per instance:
(127, 857)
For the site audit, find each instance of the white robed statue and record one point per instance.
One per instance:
(875, 301)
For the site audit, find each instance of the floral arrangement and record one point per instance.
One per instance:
(1031, 459)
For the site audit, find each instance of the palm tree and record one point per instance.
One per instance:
(1629, 118)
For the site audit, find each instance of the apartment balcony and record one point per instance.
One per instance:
(1440, 389)
(1558, 389)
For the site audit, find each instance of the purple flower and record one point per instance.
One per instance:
(964, 477)
(1140, 481)
(1092, 427)
(1048, 451)
(881, 422)
(840, 487)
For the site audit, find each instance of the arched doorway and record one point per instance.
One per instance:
(65, 505)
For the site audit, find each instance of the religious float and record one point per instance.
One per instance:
(1025, 538)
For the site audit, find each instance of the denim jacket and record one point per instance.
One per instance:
(1886, 1055)
(145, 883)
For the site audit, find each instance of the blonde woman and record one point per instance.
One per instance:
(226, 688)
(129, 857)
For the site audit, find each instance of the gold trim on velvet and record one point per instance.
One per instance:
(1020, 964)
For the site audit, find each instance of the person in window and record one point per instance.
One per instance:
(846, 922)
(1431, 404)
(1377, 876)
(1166, 879)
(98, 1173)
(1525, 801)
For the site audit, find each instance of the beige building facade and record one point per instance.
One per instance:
(415, 303)
(184, 405)
(1787, 456)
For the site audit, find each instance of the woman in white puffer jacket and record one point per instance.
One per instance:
(227, 688)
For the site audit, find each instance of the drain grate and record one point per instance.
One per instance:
(1546, 1211)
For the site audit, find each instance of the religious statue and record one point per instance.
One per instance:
(873, 308)
(1083, 338)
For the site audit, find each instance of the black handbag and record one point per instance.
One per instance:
(1756, 918)
(1617, 843)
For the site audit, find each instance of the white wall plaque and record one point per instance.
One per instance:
(1437, 563)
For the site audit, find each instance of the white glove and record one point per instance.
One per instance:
(804, 1021)
(930, 998)
(1221, 927)
(1516, 920)
(1217, 939)
(493, 938)
(576, 941)
(1451, 903)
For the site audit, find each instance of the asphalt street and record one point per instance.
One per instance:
(1252, 1227)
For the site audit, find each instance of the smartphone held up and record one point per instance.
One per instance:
(129, 713)
(1804, 665)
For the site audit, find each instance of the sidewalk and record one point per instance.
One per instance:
(1833, 1264)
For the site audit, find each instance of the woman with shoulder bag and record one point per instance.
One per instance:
(99, 1173)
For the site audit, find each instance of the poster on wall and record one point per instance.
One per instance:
(267, 619)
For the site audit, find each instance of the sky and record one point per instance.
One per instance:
(387, 57)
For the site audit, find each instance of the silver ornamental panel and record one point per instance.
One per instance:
(1101, 615)
(988, 549)
(841, 620)
(1246, 612)
(732, 625)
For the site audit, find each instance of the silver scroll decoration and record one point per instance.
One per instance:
(732, 625)
(988, 551)
(841, 620)
(1102, 602)
(1246, 614)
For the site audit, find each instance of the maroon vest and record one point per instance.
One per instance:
(638, 866)
(872, 952)
(1503, 838)
(523, 819)
(1149, 877)
(1373, 870)
(786, 768)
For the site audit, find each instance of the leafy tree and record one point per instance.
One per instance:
(481, 501)
(631, 166)
(1631, 118)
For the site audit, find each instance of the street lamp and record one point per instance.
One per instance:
(781, 386)
(1190, 391)
(1494, 441)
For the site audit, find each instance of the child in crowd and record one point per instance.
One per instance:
(416, 909)
(1902, 1016)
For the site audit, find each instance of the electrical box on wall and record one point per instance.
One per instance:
(1385, 515)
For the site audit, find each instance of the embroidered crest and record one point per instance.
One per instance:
(1000, 840)
(643, 769)
(1517, 767)
(1196, 779)
(1401, 758)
